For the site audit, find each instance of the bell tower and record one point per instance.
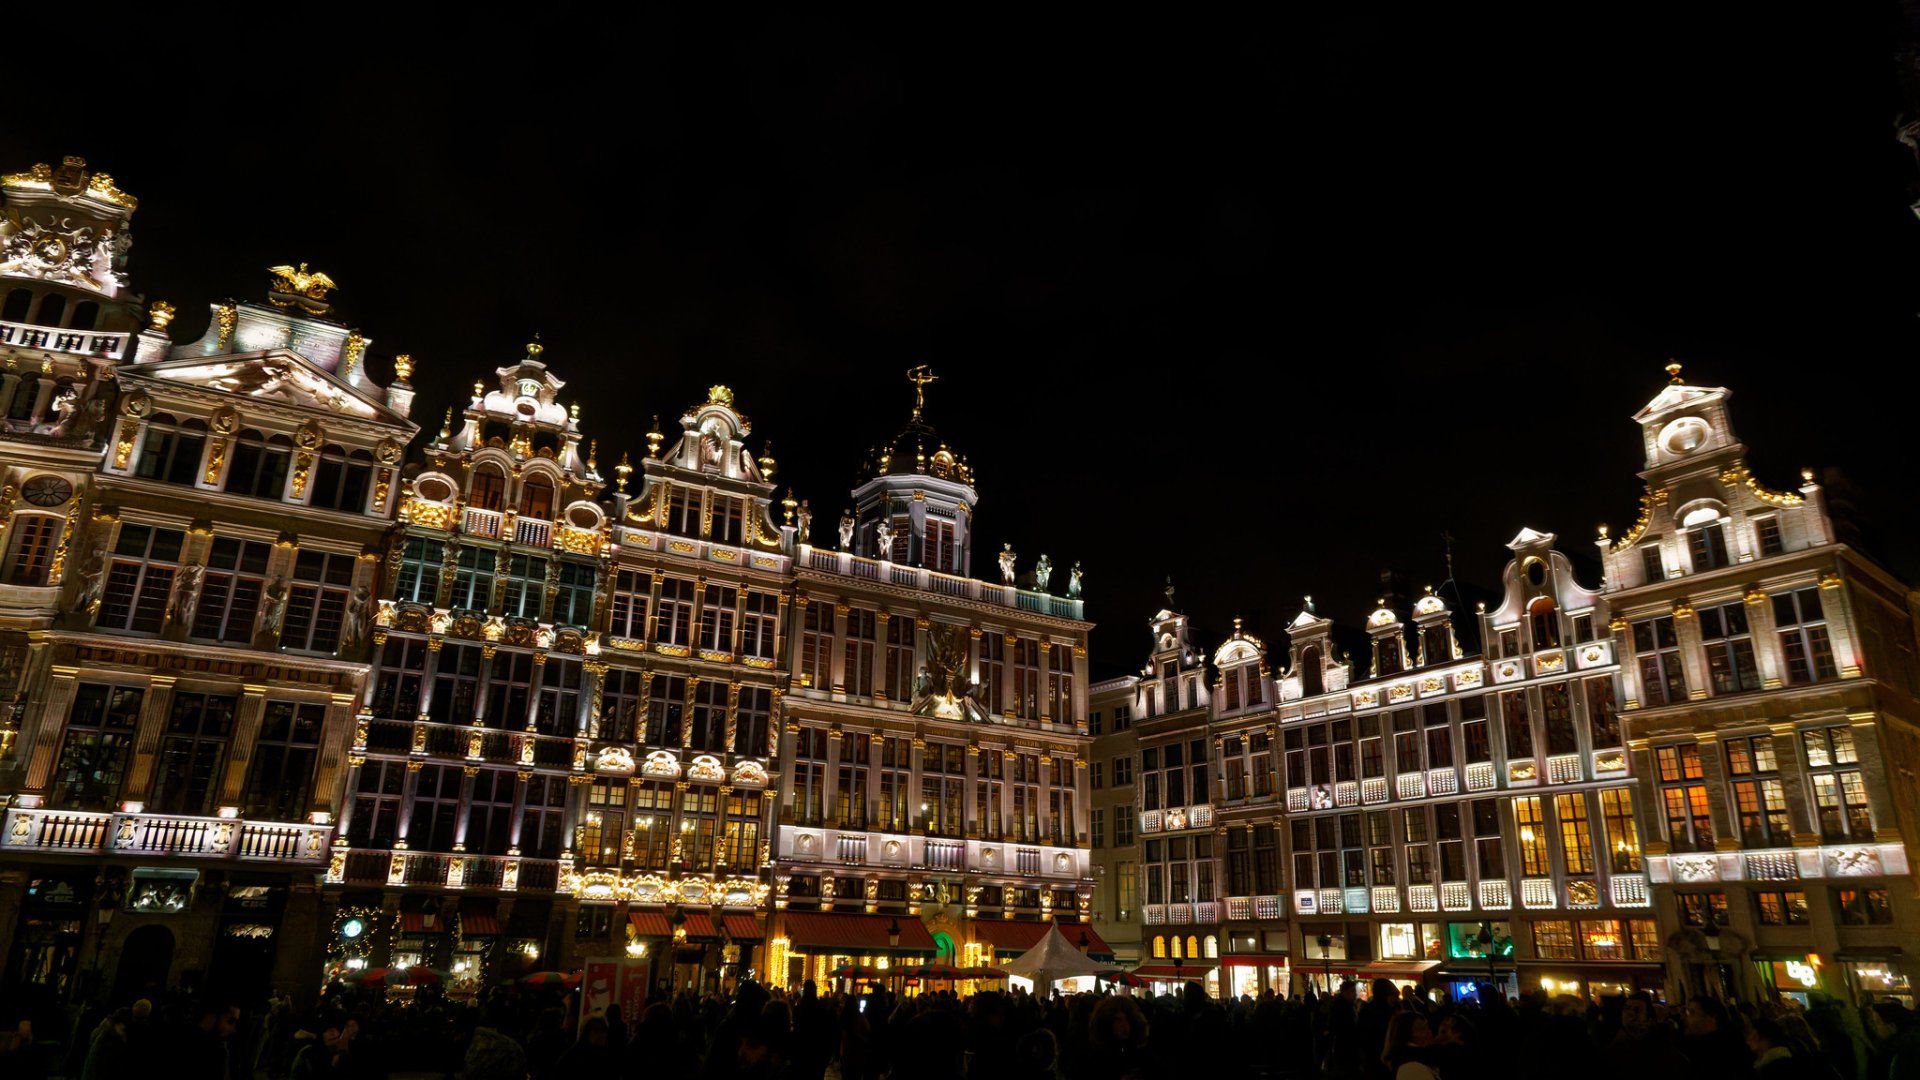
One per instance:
(914, 505)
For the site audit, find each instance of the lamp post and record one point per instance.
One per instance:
(1712, 934)
(1085, 942)
(1325, 941)
(1485, 938)
(103, 917)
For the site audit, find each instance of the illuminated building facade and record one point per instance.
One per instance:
(1769, 696)
(934, 802)
(1113, 819)
(192, 538)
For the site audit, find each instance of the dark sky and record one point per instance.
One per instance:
(1263, 306)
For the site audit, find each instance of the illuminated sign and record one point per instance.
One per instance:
(1804, 974)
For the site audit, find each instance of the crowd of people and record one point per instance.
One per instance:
(762, 1034)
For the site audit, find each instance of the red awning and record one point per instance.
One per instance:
(1012, 938)
(743, 927)
(420, 922)
(700, 926)
(650, 924)
(1397, 969)
(478, 924)
(820, 932)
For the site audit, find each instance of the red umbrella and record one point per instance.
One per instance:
(937, 970)
(1124, 978)
(551, 978)
(982, 973)
(417, 975)
(857, 971)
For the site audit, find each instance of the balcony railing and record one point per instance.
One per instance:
(481, 523)
(847, 564)
(149, 835)
(532, 532)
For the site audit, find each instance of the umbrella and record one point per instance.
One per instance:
(551, 978)
(982, 973)
(417, 975)
(937, 970)
(1124, 978)
(376, 976)
(857, 971)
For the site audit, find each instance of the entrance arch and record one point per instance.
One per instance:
(146, 959)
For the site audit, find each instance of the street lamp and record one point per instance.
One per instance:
(893, 934)
(1712, 934)
(1325, 941)
(103, 917)
(1485, 938)
(1085, 942)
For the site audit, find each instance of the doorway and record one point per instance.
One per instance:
(146, 959)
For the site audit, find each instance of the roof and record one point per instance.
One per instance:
(1017, 937)
(823, 931)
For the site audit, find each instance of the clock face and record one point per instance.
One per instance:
(47, 491)
(1684, 435)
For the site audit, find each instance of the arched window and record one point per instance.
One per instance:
(1193, 947)
(489, 488)
(1160, 947)
(24, 396)
(1213, 947)
(1544, 618)
(259, 466)
(536, 497)
(1311, 681)
(85, 314)
(53, 310)
(19, 302)
(31, 538)
(173, 450)
(1387, 655)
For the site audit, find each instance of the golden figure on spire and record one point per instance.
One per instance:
(1673, 372)
(920, 375)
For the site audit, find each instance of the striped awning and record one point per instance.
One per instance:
(420, 922)
(478, 924)
(743, 927)
(820, 932)
(650, 924)
(1188, 969)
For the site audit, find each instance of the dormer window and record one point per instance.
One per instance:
(1708, 546)
(1771, 543)
(1387, 655)
(1544, 620)
(1435, 648)
(1312, 680)
(729, 520)
(1651, 563)
(683, 512)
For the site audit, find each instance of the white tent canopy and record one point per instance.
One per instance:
(1054, 958)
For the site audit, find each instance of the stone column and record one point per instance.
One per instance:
(46, 719)
(465, 812)
(837, 659)
(331, 790)
(1713, 773)
(9, 384)
(409, 790)
(916, 793)
(834, 739)
(246, 732)
(146, 742)
(42, 397)
(970, 808)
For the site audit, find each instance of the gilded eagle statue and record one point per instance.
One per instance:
(296, 286)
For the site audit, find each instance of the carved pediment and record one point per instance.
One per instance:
(279, 376)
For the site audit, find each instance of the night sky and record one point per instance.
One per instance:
(1265, 307)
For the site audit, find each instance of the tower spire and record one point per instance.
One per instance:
(920, 375)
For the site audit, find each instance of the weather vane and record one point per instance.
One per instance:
(920, 375)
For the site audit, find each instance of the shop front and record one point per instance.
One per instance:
(1590, 981)
(1875, 975)
(1794, 976)
(1251, 974)
(52, 931)
(1169, 977)
(812, 945)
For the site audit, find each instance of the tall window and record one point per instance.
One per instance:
(558, 709)
(192, 751)
(342, 480)
(666, 707)
(1730, 663)
(573, 594)
(1759, 795)
(709, 728)
(436, 809)
(456, 686)
(740, 842)
(1534, 860)
(1543, 620)
(472, 579)
(1026, 678)
(993, 662)
(1556, 710)
(1408, 747)
(603, 826)
(896, 777)
(30, 548)
(652, 819)
(631, 589)
(1576, 832)
(987, 790)
(1098, 821)
(729, 519)
(899, 662)
(259, 466)
(1803, 636)
(1656, 649)
(1603, 719)
(1487, 840)
(942, 787)
(510, 690)
(1380, 847)
(620, 705)
(809, 776)
(1060, 684)
(1770, 541)
(419, 577)
(93, 756)
(1478, 746)
(1233, 769)
(490, 812)
(140, 578)
(1708, 545)
(1689, 818)
(862, 632)
(376, 805)
(1839, 789)
(542, 827)
(489, 488)
(850, 787)
(1446, 830)
(1519, 725)
(396, 692)
(750, 721)
(816, 644)
(716, 618)
(1439, 735)
(673, 620)
(172, 450)
(683, 511)
(280, 780)
(1623, 832)
(758, 628)
(536, 497)
(317, 601)
(942, 553)
(526, 587)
